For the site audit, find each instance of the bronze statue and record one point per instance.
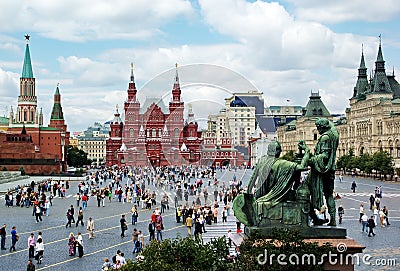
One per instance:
(322, 174)
(273, 182)
(275, 195)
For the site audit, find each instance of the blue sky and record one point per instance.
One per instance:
(285, 49)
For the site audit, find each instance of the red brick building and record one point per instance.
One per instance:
(220, 155)
(46, 143)
(153, 134)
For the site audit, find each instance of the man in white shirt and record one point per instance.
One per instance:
(364, 220)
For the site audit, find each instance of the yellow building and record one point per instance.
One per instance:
(372, 121)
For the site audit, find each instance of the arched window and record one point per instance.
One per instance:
(153, 132)
(131, 132)
(176, 132)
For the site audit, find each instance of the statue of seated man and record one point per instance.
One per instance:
(273, 181)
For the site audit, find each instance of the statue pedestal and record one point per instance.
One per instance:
(305, 231)
(346, 249)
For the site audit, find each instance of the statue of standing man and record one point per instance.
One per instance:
(323, 165)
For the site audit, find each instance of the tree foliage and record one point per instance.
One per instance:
(183, 254)
(76, 157)
(282, 242)
(188, 254)
(380, 161)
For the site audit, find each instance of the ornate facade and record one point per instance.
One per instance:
(153, 134)
(371, 123)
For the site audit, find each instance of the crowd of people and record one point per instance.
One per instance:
(137, 188)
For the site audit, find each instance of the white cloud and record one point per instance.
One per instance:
(76, 20)
(343, 10)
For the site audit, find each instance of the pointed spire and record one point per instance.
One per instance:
(362, 63)
(379, 58)
(132, 76)
(176, 90)
(27, 68)
(57, 113)
(57, 90)
(176, 82)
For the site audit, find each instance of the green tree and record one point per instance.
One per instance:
(345, 160)
(76, 157)
(182, 254)
(282, 242)
(382, 162)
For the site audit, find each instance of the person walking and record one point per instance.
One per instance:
(386, 212)
(151, 231)
(80, 217)
(198, 230)
(71, 245)
(124, 226)
(72, 209)
(340, 213)
(362, 211)
(353, 186)
(69, 218)
(135, 240)
(382, 217)
(38, 213)
(3, 234)
(159, 228)
(39, 247)
(364, 221)
(371, 201)
(30, 266)
(134, 214)
(14, 238)
(79, 244)
(90, 228)
(224, 215)
(189, 224)
(140, 241)
(31, 246)
(371, 226)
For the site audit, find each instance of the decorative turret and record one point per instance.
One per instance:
(362, 80)
(380, 81)
(116, 125)
(57, 113)
(132, 87)
(27, 100)
(176, 90)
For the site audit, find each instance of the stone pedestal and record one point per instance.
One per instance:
(347, 250)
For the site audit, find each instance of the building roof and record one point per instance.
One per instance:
(157, 101)
(27, 68)
(4, 120)
(315, 107)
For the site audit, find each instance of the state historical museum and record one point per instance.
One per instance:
(153, 134)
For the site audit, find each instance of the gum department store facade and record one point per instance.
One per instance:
(372, 122)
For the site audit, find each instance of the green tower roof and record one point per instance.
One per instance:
(315, 107)
(27, 68)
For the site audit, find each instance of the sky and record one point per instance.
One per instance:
(284, 49)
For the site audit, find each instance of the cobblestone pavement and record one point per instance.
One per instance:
(384, 246)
